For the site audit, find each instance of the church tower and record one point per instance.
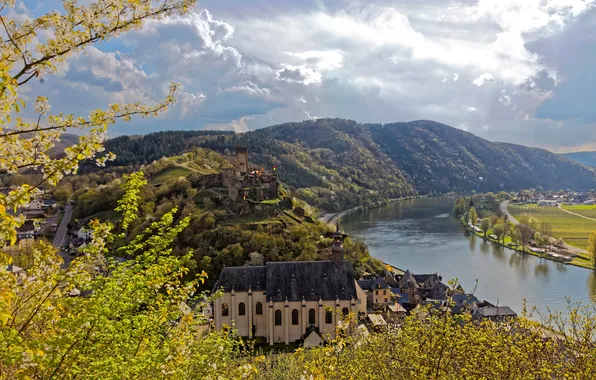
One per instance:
(337, 249)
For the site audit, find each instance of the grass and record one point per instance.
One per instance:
(585, 210)
(577, 261)
(171, 175)
(573, 229)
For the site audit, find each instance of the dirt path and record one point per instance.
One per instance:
(511, 218)
(573, 213)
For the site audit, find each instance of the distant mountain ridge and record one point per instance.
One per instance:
(586, 158)
(337, 163)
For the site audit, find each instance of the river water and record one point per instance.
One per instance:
(421, 235)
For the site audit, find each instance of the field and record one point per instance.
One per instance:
(170, 175)
(585, 210)
(573, 229)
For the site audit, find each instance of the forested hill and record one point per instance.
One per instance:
(335, 163)
(586, 158)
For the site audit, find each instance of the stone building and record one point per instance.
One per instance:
(286, 302)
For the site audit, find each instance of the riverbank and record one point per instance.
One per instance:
(516, 247)
(333, 218)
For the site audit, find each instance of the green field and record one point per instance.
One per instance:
(585, 210)
(573, 229)
(170, 175)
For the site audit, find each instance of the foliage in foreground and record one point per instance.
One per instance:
(103, 319)
(432, 346)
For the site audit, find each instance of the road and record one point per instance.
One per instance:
(60, 237)
(503, 206)
(62, 229)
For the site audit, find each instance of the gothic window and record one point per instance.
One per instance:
(295, 316)
(277, 317)
(241, 308)
(259, 308)
(345, 311)
(328, 317)
(225, 311)
(385, 299)
(311, 316)
(384, 292)
(376, 292)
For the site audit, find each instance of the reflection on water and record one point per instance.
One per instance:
(421, 236)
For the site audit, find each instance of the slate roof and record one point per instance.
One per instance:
(373, 283)
(294, 281)
(310, 280)
(240, 279)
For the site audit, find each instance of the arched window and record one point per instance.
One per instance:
(277, 317)
(225, 311)
(345, 311)
(259, 307)
(328, 317)
(295, 316)
(241, 308)
(311, 316)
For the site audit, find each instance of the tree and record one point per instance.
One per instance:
(473, 216)
(63, 192)
(26, 56)
(485, 226)
(499, 230)
(136, 323)
(515, 235)
(592, 248)
(526, 229)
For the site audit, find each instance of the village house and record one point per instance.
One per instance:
(286, 302)
(378, 293)
(85, 233)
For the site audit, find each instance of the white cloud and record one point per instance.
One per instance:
(455, 77)
(298, 74)
(249, 88)
(190, 102)
(238, 126)
(472, 109)
(482, 79)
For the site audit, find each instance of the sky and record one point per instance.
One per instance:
(520, 71)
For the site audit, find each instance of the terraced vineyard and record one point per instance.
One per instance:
(573, 229)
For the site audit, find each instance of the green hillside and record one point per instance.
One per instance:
(336, 164)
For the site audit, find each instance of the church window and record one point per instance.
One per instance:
(385, 299)
(277, 317)
(241, 308)
(225, 311)
(345, 311)
(295, 316)
(311, 316)
(328, 317)
(259, 308)
(384, 292)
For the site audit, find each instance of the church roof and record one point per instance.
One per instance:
(293, 281)
(310, 280)
(240, 279)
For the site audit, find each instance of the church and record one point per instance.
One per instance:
(286, 302)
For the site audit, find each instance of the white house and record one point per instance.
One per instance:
(84, 233)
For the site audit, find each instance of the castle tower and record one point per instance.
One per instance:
(337, 249)
(241, 168)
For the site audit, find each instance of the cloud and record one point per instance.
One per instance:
(482, 79)
(516, 66)
(237, 126)
(298, 74)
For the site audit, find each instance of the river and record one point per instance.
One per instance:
(421, 235)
